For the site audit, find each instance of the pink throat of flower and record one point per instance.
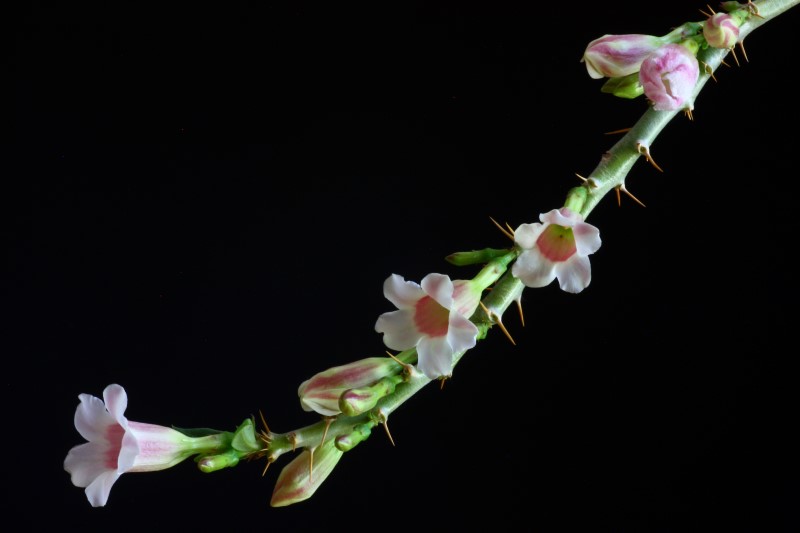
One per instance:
(431, 318)
(557, 243)
(114, 435)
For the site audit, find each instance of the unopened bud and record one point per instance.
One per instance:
(301, 478)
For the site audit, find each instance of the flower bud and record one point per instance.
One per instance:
(669, 75)
(353, 402)
(721, 30)
(321, 392)
(301, 478)
(624, 86)
(613, 56)
(360, 433)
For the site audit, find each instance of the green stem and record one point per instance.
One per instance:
(607, 176)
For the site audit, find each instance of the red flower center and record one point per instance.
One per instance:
(557, 243)
(431, 318)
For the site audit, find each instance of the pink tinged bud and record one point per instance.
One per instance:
(668, 77)
(613, 56)
(321, 393)
(721, 31)
(301, 478)
(116, 446)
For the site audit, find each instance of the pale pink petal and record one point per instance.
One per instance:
(562, 217)
(526, 234)
(98, 490)
(533, 269)
(587, 238)
(575, 274)
(435, 357)
(440, 288)
(401, 293)
(85, 462)
(91, 417)
(462, 333)
(399, 332)
(116, 402)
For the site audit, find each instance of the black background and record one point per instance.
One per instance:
(206, 199)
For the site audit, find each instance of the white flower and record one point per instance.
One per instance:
(557, 248)
(117, 446)
(433, 317)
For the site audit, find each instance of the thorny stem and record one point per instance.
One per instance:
(609, 174)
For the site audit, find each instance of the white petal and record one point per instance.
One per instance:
(92, 418)
(587, 238)
(99, 489)
(532, 269)
(526, 234)
(86, 462)
(462, 334)
(403, 294)
(116, 402)
(435, 357)
(562, 217)
(399, 331)
(575, 274)
(440, 288)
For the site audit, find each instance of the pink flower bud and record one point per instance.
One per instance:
(321, 392)
(668, 77)
(612, 56)
(301, 478)
(721, 31)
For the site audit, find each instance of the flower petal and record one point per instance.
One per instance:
(86, 462)
(533, 269)
(116, 400)
(462, 334)
(435, 357)
(526, 234)
(575, 274)
(399, 331)
(440, 288)
(92, 418)
(98, 490)
(587, 238)
(401, 293)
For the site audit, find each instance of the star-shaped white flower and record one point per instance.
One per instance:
(558, 247)
(433, 317)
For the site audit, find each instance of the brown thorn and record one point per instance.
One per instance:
(496, 319)
(293, 440)
(521, 316)
(269, 462)
(704, 13)
(581, 177)
(724, 63)
(626, 191)
(263, 421)
(328, 421)
(688, 113)
(741, 46)
(501, 228)
(645, 151)
(733, 52)
(385, 423)
(441, 382)
(709, 70)
(619, 198)
(623, 130)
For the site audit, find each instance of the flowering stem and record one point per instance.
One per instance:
(607, 176)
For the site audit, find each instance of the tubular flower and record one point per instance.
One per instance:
(668, 77)
(557, 248)
(612, 56)
(433, 317)
(117, 445)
